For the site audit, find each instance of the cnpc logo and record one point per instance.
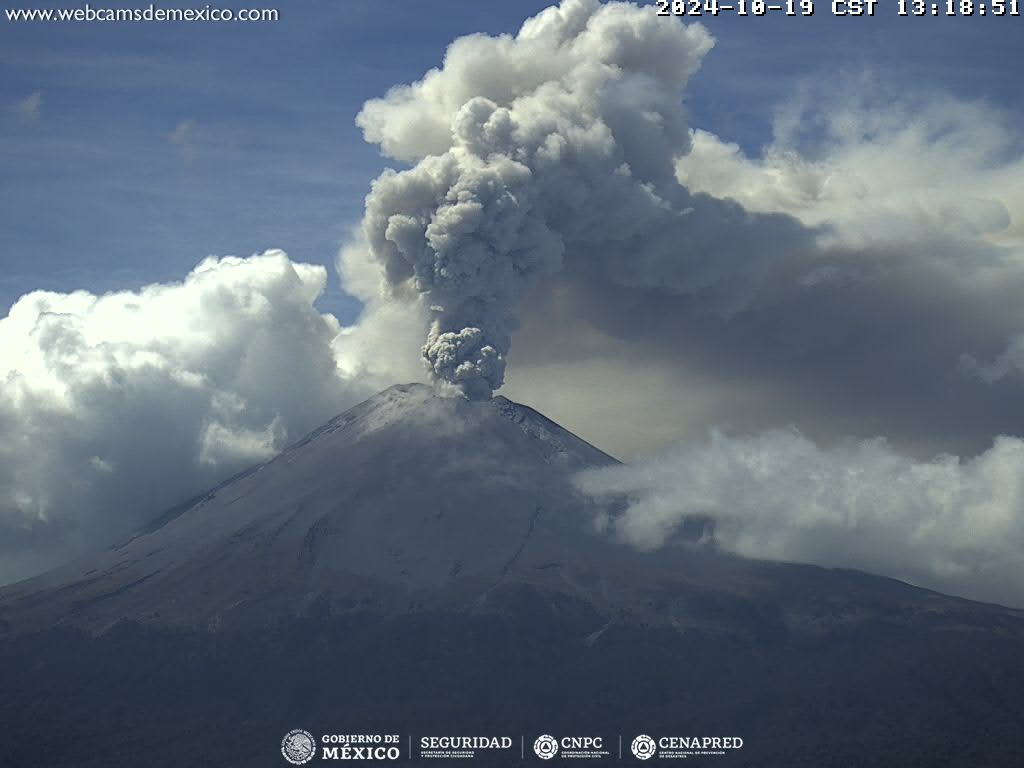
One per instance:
(547, 746)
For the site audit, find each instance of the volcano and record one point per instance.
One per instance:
(407, 499)
(413, 501)
(426, 563)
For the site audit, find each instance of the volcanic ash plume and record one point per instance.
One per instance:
(524, 151)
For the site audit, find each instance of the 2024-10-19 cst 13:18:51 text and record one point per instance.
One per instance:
(995, 8)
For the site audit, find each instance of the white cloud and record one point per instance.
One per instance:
(185, 136)
(876, 168)
(1009, 363)
(116, 407)
(949, 524)
(30, 108)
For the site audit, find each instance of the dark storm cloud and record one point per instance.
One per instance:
(874, 353)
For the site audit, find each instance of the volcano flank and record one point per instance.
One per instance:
(424, 562)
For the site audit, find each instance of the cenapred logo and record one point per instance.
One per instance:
(643, 747)
(298, 747)
(546, 747)
(680, 747)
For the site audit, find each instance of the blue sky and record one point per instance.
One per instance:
(154, 145)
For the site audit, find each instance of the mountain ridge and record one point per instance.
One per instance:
(412, 501)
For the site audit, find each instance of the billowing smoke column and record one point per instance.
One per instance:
(524, 149)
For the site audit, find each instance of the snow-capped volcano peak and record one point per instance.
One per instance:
(409, 492)
(418, 411)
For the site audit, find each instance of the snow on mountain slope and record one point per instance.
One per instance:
(405, 493)
(412, 501)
